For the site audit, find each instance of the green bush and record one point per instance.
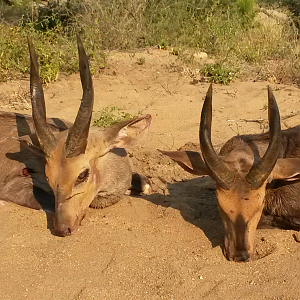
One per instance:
(246, 7)
(218, 73)
(111, 115)
(229, 30)
(55, 50)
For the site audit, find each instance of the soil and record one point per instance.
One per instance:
(167, 245)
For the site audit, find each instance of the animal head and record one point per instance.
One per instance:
(73, 157)
(241, 176)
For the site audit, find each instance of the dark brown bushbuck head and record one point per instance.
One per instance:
(77, 164)
(241, 172)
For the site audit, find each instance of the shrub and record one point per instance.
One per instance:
(218, 73)
(111, 115)
(229, 30)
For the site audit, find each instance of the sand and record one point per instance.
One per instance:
(167, 245)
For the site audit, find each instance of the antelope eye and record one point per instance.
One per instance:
(83, 176)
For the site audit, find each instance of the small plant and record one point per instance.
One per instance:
(246, 7)
(49, 61)
(218, 73)
(163, 45)
(141, 61)
(111, 115)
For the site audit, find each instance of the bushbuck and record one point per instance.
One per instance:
(69, 167)
(257, 178)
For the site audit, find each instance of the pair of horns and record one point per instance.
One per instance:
(259, 172)
(78, 134)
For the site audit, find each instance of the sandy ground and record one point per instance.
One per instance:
(167, 245)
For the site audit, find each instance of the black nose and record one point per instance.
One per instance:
(241, 256)
(62, 231)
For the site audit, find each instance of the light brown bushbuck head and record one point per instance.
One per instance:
(241, 172)
(79, 160)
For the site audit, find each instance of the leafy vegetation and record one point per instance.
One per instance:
(141, 61)
(229, 30)
(111, 115)
(218, 73)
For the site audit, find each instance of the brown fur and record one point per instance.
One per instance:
(282, 197)
(29, 180)
(275, 201)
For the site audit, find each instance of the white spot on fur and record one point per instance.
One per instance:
(147, 190)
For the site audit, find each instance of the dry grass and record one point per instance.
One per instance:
(236, 33)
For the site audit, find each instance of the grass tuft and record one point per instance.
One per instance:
(111, 115)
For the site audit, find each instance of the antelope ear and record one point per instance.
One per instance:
(286, 169)
(189, 160)
(127, 133)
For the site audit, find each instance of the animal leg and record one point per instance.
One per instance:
(270, 221)
(101, 201)
(140, 185)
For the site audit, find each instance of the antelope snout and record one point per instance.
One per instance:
(238, 256)
(66, 225)
(242, 256)
(236, 252)
(63, 230)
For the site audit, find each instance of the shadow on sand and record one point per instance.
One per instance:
(197, 203)
(38, 197)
